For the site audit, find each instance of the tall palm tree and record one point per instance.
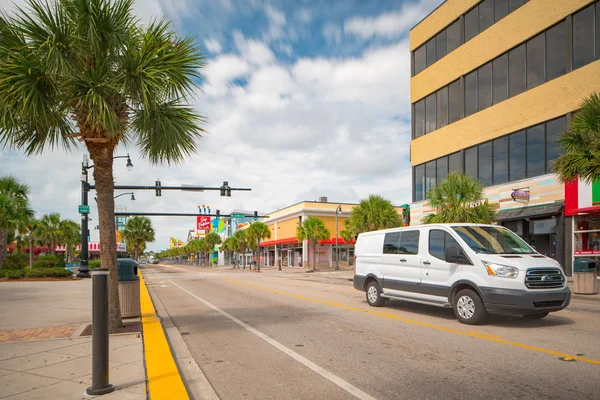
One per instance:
(231, 246)
(70, 236)
(138, 231)
(313, 229)
(51, 232)
(30, 229)
(459, 198)
(242, 245)
(14, 208)
(257, 232)
(371, 214)
(88, 70)
(581, 144)
(211, 240)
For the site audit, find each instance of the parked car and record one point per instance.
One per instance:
(155, 262)
(143, 261)
(474, 269)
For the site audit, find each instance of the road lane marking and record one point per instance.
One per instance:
(353, 390)
(388, 315)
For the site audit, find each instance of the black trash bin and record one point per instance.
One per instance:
(129, 287)
(585, 276)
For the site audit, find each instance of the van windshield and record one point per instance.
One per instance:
(492, 240)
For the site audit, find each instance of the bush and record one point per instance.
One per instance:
(49, 262)
(16, 261)
(94, 264)
(49, 273)
(13, 273)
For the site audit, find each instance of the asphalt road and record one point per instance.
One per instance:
(278, 335)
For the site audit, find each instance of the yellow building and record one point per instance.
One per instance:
(493, 84)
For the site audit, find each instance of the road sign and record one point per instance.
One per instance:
(203, 223)
(84, 209)
(236, 215)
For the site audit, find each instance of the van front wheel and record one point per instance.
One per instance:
(374, 295)
(469, 308)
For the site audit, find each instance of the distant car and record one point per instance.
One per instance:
(154, 261)
(143, 261)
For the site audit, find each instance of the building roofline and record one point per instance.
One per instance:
(427, 16)
(322, 202)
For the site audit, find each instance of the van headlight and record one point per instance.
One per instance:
(501, 271)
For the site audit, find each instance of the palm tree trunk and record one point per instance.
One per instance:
(314, 256)
(3, 244)
(30, 252)
(102, 155)
(258, 255)
(52, 248)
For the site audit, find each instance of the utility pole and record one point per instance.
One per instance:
(338, 210)
(84, 271)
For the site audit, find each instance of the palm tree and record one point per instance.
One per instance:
(313, 229)
(211, 240)
(581, 144)
(88, 70)
(371, 214)
(257, 232)
(138, 231)
(14, 208)
(242, 245)
(459, 198)
(229, 246)
(51, 232)
(70, 236)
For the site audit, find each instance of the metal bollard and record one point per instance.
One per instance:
(100, 333)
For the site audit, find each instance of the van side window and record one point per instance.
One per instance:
(390, 243)
(438, 240)
(409, 242)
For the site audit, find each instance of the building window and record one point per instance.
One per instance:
(553, 129)
(536, 151)
(453, 37)
(471, 162)
(454, 96)
(419, 182)
(471, 24)
(598, 30)
(440, 45)
(517, 156)
(500, 78)
(535, 61)
(430, 115)
(486, 158)
(556, 51)
(430, 173)
(514, 4)
(420, 59)
(455, 162)
(442, 107)
(516, 70)
(419, 118)
(442, 169)
(484, 86)
(486, 14)
(430, 49)
(583, 37)
(500, 9)
(471, 93)
(501, 160)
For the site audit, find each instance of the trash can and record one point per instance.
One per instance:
(585, 279)
(129, 287)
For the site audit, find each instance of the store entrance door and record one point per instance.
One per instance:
(543, 244)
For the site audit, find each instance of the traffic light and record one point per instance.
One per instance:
(225, 189)
(218, 214)
(157, 190)
(228, 192)
(256, 215)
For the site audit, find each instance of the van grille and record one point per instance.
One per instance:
(544, 278)
(551, 303)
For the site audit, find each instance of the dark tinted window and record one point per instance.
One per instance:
(442, 107)
(455, 162)
(486, 14)
(430, 173)
(453, 36)
(484, 86)
(391, 242)
(500, 78)
(454, 102)
(419, 183)
(517, 156)
(500, 9)
(419, 118)
(485, 163)
(516, 70)
(409, 242)
(430, 46)
(436, 244)
(597, 30)
(471, 24)
(471, 93)
(535, 61)
(440, 44)
(430, 116)
(420, 59)
(553, 129)
(556, 53)
(442, 169)
(536, 151)
(501, 160)
(514, 4)
(471, 162)
(583, 37)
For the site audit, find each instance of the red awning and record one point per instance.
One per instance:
(279, 241)
(332, 241)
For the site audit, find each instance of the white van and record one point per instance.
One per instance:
(475, 269)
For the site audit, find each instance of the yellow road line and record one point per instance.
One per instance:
(164, 380)
(388, 315)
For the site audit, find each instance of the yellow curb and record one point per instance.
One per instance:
(164, 380)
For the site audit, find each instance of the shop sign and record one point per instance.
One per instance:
(203, 223)
(474, 204)
(520, 196)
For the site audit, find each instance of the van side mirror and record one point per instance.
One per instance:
(452, 254)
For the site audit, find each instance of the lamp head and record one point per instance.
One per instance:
(129, 164)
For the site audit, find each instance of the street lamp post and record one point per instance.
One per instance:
(338, 210)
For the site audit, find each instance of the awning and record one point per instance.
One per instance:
(530, 212)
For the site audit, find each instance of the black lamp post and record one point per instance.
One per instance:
(338, 210)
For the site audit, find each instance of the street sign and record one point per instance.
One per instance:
(236, 215)
(84, 209)
(203, 223)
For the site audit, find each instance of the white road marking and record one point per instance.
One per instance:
(302, 360)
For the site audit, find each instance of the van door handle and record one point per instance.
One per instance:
(403, 260)
(426, 263)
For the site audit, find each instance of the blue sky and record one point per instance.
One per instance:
(303, 99)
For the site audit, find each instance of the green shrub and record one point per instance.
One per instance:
(94, 264)
(16, 261)
(49, 262)
(13, 273)
(49, 273)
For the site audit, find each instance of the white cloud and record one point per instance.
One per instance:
(391, 24)
(252, 50)
(213, 45)
(332, 33)
(304, 15)
(276, 17)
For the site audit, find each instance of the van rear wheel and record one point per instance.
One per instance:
(374, 295)
(469, 308)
